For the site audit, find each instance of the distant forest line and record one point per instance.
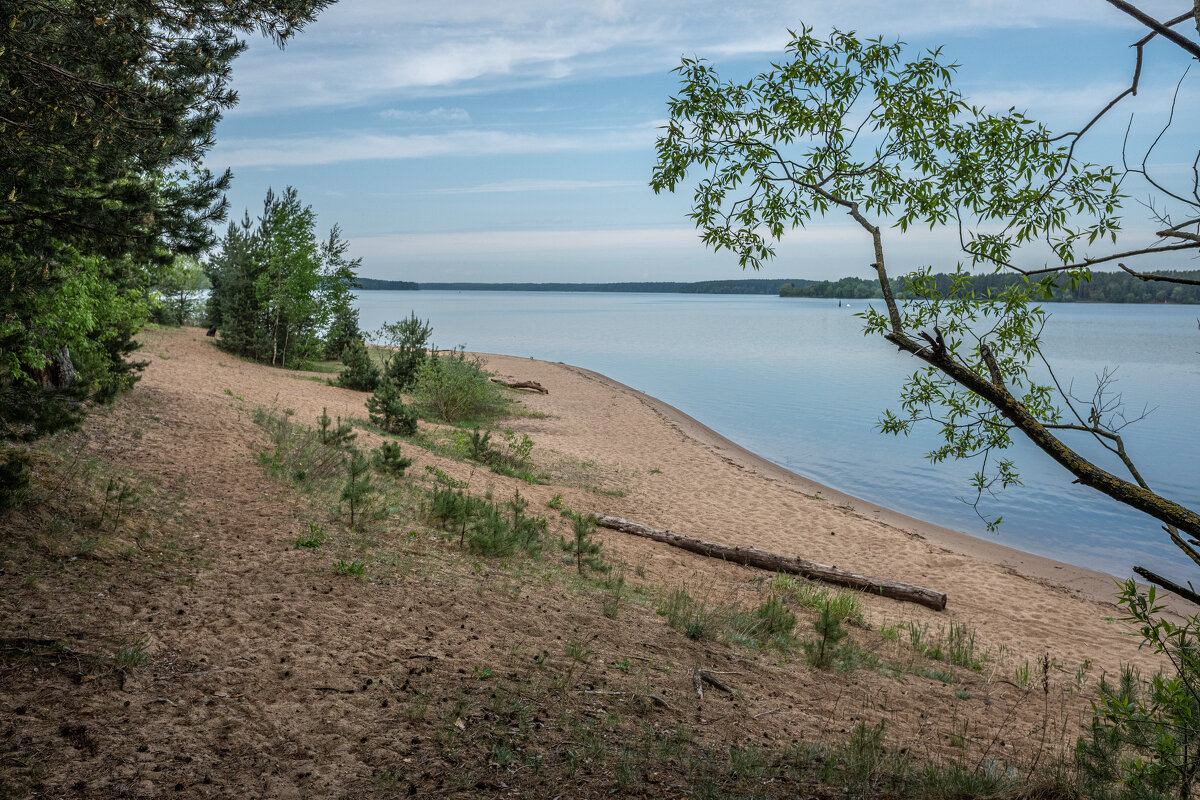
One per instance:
(1104, 287)
(772, 286)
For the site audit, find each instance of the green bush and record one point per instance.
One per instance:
(409, 342)
(389, 461)
(360, 373)
(387, 410)
(1146, 733)
(453, 388)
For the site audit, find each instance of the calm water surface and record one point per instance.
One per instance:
(795, 381)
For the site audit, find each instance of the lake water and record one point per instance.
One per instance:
(795, 381)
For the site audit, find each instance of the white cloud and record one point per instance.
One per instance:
(367, 146)
(359, 51)
(538, 185)
(433, 115)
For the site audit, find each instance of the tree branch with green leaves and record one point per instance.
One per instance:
(854, 126)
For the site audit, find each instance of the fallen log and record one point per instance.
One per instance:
(534, 385)
(753, 557)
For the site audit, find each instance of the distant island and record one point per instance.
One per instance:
(1104, 287)
(773, 286)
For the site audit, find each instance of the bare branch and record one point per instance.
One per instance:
(1158, 27)
(1150, 276)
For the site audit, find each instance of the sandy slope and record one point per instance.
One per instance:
(253, 659)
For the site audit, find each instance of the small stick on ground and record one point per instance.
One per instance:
(712, 680)
(658, 701)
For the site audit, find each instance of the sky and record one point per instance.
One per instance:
(475, 140)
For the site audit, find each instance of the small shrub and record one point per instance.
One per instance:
(1144, 732)
(353, 568)
(360, 373)
(582, 550)
(387, 410)
(314, 538)
(342, 434)
(499, 532)
(770, 623)
(358, 483)
(478, 446)
(132, 655)
(830, 633)
(453, 388)
(389, 461)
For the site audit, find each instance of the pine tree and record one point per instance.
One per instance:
(358, 482)
(583, 550)
(109, 109)
(387, 410)
(360, 373)
(409, 342)
(389, 461)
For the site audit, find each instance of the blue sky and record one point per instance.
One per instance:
(513, 141)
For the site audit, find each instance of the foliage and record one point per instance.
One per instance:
(830, 634)
(408, 345)
(452, 387)
(1146, 733)
(65, 336)
(485, 528)
(386, 409)
(339, 277)
(360, 373)
(106, 108)
(849, 288)
(338, 435)
(784, 148)
(277, 291)
(389, 461)
(358, 483)
(501, 531)
(314, 538)
(583, 550)
(100, 102)
(179, 285)
(771, 623)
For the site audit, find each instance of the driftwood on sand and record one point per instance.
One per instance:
(753, 557)
(534, 385)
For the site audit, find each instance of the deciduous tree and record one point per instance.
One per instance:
(851, 126)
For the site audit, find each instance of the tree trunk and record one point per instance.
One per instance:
(753, 557)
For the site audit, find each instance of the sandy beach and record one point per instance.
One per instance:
(256, 646)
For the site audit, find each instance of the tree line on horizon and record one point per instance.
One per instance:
(1103, 287)
(730, 286)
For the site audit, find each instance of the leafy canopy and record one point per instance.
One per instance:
(846, 125)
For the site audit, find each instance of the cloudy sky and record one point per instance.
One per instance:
(513, 141)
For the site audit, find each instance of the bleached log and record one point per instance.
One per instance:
(753, 557)
(534, 385)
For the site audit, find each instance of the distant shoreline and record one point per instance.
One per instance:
(757, 286)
